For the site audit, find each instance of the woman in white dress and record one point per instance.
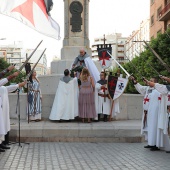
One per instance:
(34, 99)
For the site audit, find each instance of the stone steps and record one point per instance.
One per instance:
(52, 131)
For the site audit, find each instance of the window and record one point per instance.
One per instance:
(158, 11)
(152, 20)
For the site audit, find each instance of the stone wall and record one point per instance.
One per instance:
(130, 106)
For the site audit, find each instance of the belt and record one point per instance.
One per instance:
(103, 95)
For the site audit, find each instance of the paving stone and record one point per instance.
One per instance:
(69, 156)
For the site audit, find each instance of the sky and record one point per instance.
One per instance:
(105, 17)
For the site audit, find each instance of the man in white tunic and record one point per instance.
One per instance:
(4, 110)
(150, 112)
(65, 105)
(3, 82)
(163, 141)
(102, 99)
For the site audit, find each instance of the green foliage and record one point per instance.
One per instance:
(18, 79)
(145, 59)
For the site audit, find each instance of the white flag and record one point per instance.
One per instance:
(33, 13)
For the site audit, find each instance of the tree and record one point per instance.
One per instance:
(4, 65)
(146, 58)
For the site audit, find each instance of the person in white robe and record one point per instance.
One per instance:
(103, 101)
(65, 105)
(4, 110)
(163, 140)
(84, 60)
(150, 112)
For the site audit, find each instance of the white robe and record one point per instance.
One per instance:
(65, 105)
(152, 107)
(94, 72)
(4, 110)
(105, 106)
(162, 133)
(3, 81)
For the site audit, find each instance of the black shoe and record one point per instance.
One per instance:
(2, 150)
(105, 118)
(167, 151)
(98, 117)
(148, 146)
(155, 149)
(2, 146)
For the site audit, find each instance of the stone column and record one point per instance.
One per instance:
(76, 15)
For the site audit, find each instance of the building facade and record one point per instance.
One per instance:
(134, 44)
(159, 17)
(12, 53)
(118, 46)
(41, 68)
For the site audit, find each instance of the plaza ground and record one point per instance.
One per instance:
(83, 156)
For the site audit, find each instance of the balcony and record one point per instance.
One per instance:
(164, 15)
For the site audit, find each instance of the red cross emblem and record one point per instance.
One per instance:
(104, 57)
(146, 99)
(104, 88)
(112, 84)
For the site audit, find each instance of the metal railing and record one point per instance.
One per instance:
(164, 10)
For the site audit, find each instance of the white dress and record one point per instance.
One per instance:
(34, 101)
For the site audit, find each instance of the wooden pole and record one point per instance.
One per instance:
(110, 116)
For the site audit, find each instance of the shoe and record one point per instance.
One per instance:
(148, 146)
(98, 117)
(167, 151)
(2, 146)
(105, 118)
(2, 150)
(155, 149)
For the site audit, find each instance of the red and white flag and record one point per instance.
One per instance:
(33, 13)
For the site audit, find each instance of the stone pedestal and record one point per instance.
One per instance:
(76, 37)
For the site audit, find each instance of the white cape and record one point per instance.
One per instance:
(3, 81)
(4, 112)
(65, 105)
(163, 118)
(94, 72)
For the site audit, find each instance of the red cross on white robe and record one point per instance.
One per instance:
(146, 99)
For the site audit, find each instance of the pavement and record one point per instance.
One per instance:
(83, 156)
(53, 131)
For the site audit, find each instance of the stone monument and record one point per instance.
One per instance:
(76, 34)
